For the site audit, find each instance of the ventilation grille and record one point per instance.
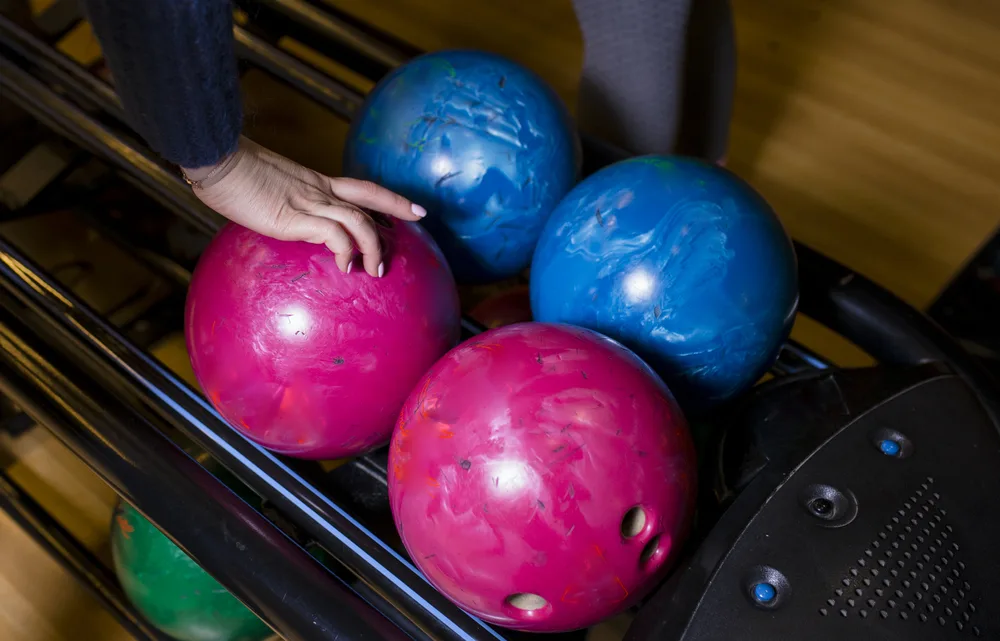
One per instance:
(912, 571)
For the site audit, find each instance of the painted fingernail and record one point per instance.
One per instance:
(350, 266)
(381, 269)
(418, 211)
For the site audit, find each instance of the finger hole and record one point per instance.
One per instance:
(633, 522)
(526, 601)
(380, 219)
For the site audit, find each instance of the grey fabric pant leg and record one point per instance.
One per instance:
(658, 75)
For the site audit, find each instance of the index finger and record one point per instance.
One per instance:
(364, 193)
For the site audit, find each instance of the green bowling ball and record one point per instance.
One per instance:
(171, 590)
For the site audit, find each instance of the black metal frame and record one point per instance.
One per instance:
(125, 414)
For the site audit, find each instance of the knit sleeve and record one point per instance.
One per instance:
(174, 68)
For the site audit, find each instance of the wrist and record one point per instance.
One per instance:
(208, 175)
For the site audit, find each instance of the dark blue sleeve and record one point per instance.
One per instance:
(174, 67)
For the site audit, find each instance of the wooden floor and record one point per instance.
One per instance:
(872, 127)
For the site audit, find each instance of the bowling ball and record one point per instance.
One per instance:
(309, 361)
(505, 308)
(681, 261)
(483, 143)
(542, 477)
(172, 591)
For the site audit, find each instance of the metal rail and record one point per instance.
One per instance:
(258, 563)
(78, 560)
(331, 93)
(59, 114)
(143, 380)
(333, 28)
(140, 381)
(62, 68)
(86, 86)
(156, 178)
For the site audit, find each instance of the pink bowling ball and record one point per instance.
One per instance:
(542, 477)
(306, 360)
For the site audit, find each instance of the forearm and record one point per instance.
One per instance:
(175, 70)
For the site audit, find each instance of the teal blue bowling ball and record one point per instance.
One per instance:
(484, 144)
(681, 261)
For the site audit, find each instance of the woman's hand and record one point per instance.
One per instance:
(276, 197)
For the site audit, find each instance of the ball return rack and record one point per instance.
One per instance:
(94, 385)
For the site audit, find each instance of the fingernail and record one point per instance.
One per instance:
(381, 269)
(418, 211)
(350, 266)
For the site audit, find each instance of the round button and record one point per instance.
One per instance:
(889, 447)
(764, 592)
(891, 443)
(766, 587)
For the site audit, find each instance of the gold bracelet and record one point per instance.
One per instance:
(225, 164)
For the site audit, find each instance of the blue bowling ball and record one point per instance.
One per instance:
(483, 143)
(681, 261)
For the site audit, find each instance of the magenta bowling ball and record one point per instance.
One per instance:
(308, 361)
(542, 477)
